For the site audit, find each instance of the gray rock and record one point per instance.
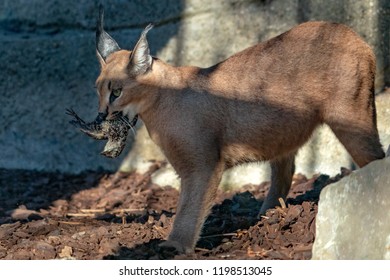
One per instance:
(353, 220)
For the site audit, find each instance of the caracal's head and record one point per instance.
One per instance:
(118, 85)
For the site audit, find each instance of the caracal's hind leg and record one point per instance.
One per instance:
(363, 145)
(354, 124)
(282, 170)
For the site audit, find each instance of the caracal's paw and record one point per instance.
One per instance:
(175, 246)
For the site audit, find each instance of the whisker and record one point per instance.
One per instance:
(126, 121)
(134, 121)
(117, 114)
(133, 130)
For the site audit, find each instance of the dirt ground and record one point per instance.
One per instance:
(100, 215)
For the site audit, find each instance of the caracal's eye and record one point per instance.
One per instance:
(115, 93)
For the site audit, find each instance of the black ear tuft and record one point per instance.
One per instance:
(105, 44)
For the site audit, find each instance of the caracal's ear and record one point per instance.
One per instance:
(140, 59)
(105, 44)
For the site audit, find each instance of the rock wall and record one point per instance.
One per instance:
(48, 63)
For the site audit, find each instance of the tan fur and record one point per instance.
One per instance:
(261, 104)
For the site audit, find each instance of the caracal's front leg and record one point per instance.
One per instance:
(198, 191)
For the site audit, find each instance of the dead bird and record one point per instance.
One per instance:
(114, 130)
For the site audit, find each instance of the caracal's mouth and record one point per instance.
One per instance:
(114, 130)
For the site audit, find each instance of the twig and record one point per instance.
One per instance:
(220, 235)
(81, 214)
(103, 211)
(202, 249)
(160, 230)
(282, 203)
(70, 223)
(92, 210)
(128, 210)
